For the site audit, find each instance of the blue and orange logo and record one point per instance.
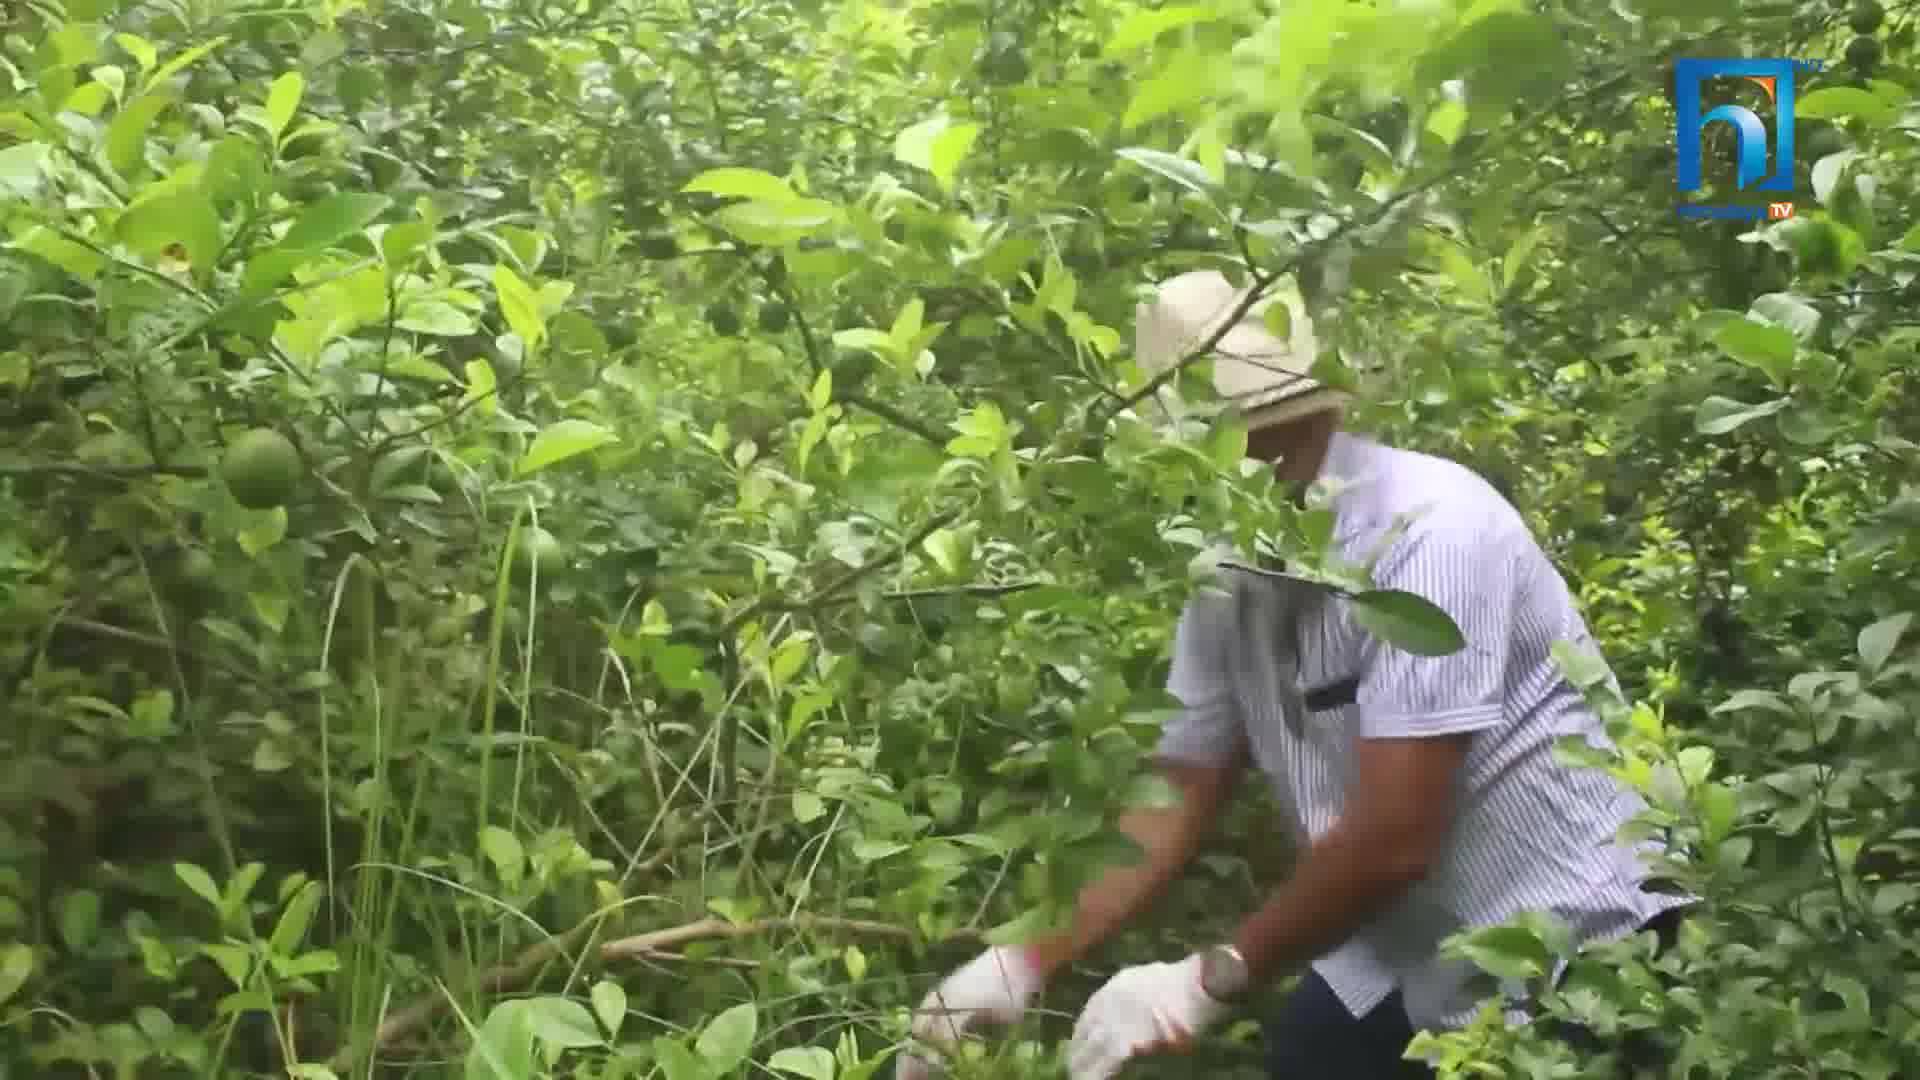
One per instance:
(1775, 75)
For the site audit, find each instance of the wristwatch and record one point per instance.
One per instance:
(1223, 974)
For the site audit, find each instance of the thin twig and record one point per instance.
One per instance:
(844, 581)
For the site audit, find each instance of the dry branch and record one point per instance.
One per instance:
(523, 969)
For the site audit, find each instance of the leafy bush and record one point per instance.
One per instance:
(731, 557)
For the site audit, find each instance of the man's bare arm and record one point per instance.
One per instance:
(1168, 836)
(1394, 825)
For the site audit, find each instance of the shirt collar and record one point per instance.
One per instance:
(1351, 467)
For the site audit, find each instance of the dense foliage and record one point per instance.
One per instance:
(651, 507)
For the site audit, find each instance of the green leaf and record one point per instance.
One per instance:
(16, 967)
(435, 318)
(1877, 642)
(1827, 173)
(1408, 622)
(1022, 928)
(728, 1038)
(740, 183)
(562, 440)
(1888, 900)
(1856, 1003)
(937, 145)
(1226, 443)
(236, 172)
(1447, 120)
(403, 240)
(152, 714)
(140, 49)
(1718, 415)
(1502, 57)
(79, 919)
(1518, 253)
(1792, 313)
(186, 59)
(1758, 345)
(869, 850)
(126, 138)
(1466, 273)
(21, 167)
(610, 1004)
(775, 223)
(1278, 318)
(503, 1048)
(481, 386)
(295, 919)
(1832, 101)
(1508, 952)
(333, 219)
(263, 530)
(234, 961)
(865, 338)
(676, 1061)
(1809, 425)
(1188, 80)
(1187, 173)
(283, 100)
(563, 1023)
(1754, 699)
(197, 880)
(1142, 27)
(1719, 811)
(520, 305)
(503, 850)
(183, 217)
(812, 1062)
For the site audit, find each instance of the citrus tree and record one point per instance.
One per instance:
(617, 539)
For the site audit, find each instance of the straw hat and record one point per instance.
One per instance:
(1260, 376)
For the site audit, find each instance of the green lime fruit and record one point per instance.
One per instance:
(539, 550)
(1824, 140)
(197, 568)
(774, 317)
(261, 468)
(1864, 53)
(1866, 16)
(724, 320)
(1006, 66)
(851, 369)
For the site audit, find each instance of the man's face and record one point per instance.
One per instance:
(1296, 448)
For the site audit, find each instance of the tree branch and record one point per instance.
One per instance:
(895, 417)
(524, 968)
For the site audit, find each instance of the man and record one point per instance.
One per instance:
(1423, 791)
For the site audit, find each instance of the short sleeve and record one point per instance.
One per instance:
(1472, 576)
(1207, 729)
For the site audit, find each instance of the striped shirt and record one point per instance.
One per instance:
(1531, 833)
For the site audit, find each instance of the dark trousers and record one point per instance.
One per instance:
(1315, 1038)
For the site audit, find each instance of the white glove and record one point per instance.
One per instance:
(994, 987)
(1141, 1010)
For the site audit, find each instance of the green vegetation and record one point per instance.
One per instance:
(789, 342)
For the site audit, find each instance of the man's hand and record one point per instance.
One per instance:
(1142, 1010)
(993, 988)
